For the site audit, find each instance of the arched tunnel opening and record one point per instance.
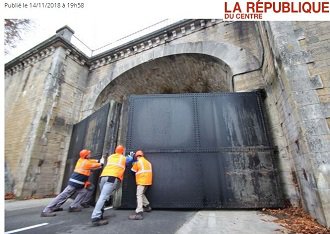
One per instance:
(182, 73)
(179, 110)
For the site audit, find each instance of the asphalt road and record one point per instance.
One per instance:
(22, 215)
(158, 222)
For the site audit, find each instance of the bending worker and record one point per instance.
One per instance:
(76, 183)
(143, 178)
(111, 176)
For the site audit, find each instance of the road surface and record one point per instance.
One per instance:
(24, 217)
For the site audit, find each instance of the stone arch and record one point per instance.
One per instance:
(237, 59)
(181, 73)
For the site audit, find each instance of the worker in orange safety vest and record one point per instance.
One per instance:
(111, 177)
(76, 183)
(143, 177)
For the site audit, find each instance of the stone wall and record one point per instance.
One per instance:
(314, 38)
(61, 112)
(43, 101)
(298, 116)
(274, 106)
(24, 91)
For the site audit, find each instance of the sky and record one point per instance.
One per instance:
(103, 21)
(92, 33)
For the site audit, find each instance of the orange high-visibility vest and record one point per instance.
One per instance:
(84, 166)
(143, 171)
(115, 166)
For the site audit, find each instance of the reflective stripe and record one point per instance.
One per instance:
(115, 166)
(143, 176)
(142, 171)
(142, 168)
(119, 164)
(76, 181)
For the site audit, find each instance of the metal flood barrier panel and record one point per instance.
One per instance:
(90, 134)
(207, 151)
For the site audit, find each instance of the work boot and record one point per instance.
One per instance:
(147, 208)
(99, 222)
(85, 205)
(136, 216)
(58, 209)
(47, 214)
(74, 209)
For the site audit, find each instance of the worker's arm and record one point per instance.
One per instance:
(134, 167)
(93, 165)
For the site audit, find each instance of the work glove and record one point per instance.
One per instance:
(133, 156)
(89, 186)
(129, 158)
(101, 160)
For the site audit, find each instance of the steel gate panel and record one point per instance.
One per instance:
(77, 140)
(245, 180)
(231, 121)
(168, 122)
(187, 193)
(88, 133)
(207, 151)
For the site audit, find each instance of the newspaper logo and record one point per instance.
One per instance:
(276, 10)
